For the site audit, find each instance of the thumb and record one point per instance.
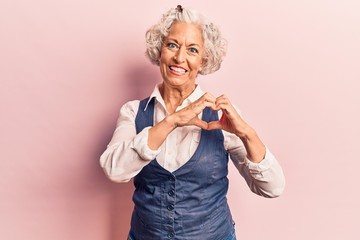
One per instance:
(214, 125)
(199, 123)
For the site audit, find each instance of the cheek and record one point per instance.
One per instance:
(195, 63)
(163, 62)
(162, 67)
(161, 57)
(164, 55)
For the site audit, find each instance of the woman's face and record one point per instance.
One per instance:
(182, 55)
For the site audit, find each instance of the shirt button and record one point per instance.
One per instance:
(171, 178)
(170, 235)
(171, 193)
(170, 207)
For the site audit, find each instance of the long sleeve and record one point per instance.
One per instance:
(265, 178)
(128, 152)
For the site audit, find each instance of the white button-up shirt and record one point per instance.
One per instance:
(128, 152)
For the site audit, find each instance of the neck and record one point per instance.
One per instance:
(173, 97)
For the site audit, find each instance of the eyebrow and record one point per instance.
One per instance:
(190, 45)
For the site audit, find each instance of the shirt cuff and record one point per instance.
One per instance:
(265, 164)
(140, 145)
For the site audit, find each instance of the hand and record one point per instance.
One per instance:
(190, 114)
(230, 120)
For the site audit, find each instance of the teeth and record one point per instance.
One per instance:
(178, 70)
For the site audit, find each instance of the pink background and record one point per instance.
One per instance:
(66, 67)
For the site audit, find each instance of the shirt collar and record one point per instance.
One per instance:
(195, 95)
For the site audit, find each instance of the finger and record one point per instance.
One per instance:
(225, 108)
(210, 105)
(200, 123)
(206, 97)
(200, 104)
(221, 105)
(222, 98)
(229, 115)
(209, 97)
(222, 101)
(222, 119)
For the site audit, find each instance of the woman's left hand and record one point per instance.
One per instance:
(230, 120)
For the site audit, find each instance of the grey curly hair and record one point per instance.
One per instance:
(214, 44)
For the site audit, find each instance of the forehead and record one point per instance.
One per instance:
(186, 32)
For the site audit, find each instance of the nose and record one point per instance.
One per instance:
(179, 57)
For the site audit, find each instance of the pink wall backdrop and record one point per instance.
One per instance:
(67, 66)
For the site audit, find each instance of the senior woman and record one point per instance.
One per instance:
(175, 144)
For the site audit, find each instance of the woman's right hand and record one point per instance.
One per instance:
(184, 117)
(190, 114)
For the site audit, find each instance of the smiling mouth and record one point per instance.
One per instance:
(177, 70)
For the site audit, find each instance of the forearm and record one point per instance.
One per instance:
(159, 132)
(121, 162)
(267, 178)
(265, 174)
(126, 156)
(128, 152)
(124, 159)
(254, 147)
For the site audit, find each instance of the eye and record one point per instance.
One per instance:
(171, 45)
(193, 50)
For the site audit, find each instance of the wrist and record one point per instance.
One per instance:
(254, 147)
(245, 133)
(170, 122)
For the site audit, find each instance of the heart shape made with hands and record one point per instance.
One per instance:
(219, 123)
(228, 120)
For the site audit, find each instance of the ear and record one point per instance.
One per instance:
(203, 62)
(158, 59)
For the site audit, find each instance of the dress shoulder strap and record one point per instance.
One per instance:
(145, 114)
